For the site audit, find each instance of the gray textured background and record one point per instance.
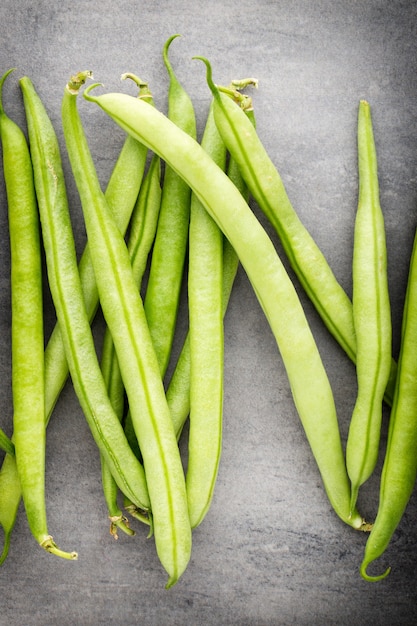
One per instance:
(271, 551)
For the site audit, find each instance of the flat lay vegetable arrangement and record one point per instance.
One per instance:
(180, 208)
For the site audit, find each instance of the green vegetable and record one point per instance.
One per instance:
(205, 284)
(170, 248)
(141, 236)
(123, 310)
(399, 470)
(371, 313)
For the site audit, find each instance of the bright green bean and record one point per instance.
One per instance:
(141, 236)
(309, 383)
(399, 470)
(371, 313)
(306, 259)
(125, 317)
(169, 253)
(27, 329)
(178, 391)
(205, 283)
(67, 295)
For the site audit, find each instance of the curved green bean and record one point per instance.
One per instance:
(309, 383)
(371, 313)
(399, 470)
(124, 314)
(178, 390)
(205, 283)
(169, 252)
(141, 236)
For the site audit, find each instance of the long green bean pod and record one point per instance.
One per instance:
(64, 282)
(305, 257)
(141, 236)
(123, 310)
(371, 313)
(27, 337)
(206, 343)
(310, 386)
(170, 248)
(178, 390)
(399, 470)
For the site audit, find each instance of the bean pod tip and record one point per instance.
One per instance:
(368, 577)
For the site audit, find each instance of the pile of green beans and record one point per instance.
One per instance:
(178, 209)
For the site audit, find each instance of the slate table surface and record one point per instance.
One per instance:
(271, 551)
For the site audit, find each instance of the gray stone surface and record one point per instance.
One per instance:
(271, 551)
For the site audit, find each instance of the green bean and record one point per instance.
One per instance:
(206, 310)
(125, 317)
(121, 194)
(178, 390)
(27, 329)
(206, 343)
(141, 236)
(399, 470)
(6, 444)
(10, 489)
(275, 291)
(169, 253)
(371, 313)
(67, 295)
(142, 232)
(306, 259)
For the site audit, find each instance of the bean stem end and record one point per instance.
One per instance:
(122, 523)
(49, 545)
(78, 80)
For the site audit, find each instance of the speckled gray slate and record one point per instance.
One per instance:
(271, 551)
